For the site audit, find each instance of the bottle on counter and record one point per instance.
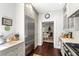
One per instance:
(70, 35)
(17, 36)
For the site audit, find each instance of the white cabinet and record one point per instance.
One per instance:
(21, 49)
(71, 21)
(65, 22)
(71, 24)
(16, 50)
(71, 8)
(61, 47)
(10, 51)
(76, 23)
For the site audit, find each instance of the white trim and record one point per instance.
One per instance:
(53, 30)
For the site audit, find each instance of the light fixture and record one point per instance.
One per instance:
(47, 15)
(28, 4)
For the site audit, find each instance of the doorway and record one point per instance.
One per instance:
(48, 31)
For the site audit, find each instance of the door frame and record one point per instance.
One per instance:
(53, 28)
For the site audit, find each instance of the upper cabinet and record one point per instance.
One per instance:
(71, 8)
(71, 17)
(76, 20)
(65, 21)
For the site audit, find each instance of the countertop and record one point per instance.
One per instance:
(71, 49)
(10, 44)
(70, 40)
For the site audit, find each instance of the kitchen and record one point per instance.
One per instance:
(66, 29)
(11, 36)
(65, 20)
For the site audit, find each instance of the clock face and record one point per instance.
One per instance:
(47, 15)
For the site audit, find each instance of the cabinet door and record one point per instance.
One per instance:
(21, 49)
(17, 50)
(65, 22)
(61, 47)
(71, 23)
(71, 8)
(12, 51)
(77, 23)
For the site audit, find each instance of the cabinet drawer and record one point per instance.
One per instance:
(10, 51)
(13, 53)
(29, 48)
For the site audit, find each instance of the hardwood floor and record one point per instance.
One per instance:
(47, 49)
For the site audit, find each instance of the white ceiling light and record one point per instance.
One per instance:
(28, 5)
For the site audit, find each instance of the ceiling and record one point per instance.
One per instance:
(47, 7)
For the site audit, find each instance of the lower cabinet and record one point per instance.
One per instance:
(17, 50)
(29, 48)
(12, 53)
(21, 49)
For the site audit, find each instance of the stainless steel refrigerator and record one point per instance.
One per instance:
(29, 34)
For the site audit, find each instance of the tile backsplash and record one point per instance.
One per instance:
(76, 34)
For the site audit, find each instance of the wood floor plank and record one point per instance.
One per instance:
(47, 49)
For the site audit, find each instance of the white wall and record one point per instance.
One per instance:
(57, 17)
(31, 12)
(19, 21)
(7, 10)
(19, 24)
(36, 28)
(16, 13)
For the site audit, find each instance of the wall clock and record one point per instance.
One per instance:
(47, 15)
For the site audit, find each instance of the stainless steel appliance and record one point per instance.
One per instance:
(29, 34)
(74, 47)
(67, 51)
(71, 49)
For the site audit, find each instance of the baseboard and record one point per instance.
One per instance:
(40, 44)
(36, 47)
(56, 47)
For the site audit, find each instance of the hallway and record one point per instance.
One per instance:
(47, 50)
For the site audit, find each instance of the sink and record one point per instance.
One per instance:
(2, 40)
